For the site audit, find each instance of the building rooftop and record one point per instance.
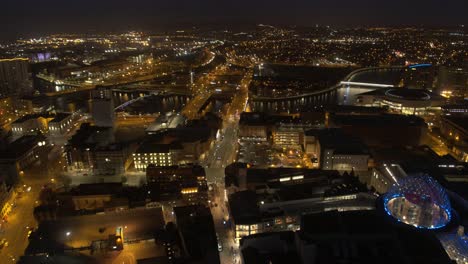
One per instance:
(158, 144)
(405, 94)
(411, 159)
(21, 146)
(408, 94)
(97, 189)
(167, 121)
(58, 259)
(262, 119)
(90, 136)
(164, 141)
(60, 116)
(80, 231)
(460, 121)
(384, 120)
(338, 141)
(369, 237)
(275, 175)
(243, 207)
(254, 248)
(354, 110)
(186, 168)
(251, 206)
(344, 237)
(196, 227)
(31, 116)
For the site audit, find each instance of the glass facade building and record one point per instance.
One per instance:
(419, 201)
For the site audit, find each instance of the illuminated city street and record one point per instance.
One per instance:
(238, 132)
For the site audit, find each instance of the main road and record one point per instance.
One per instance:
(21, 218)
(223, 153)
(202, 89)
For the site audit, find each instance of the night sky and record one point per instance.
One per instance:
(34, 17)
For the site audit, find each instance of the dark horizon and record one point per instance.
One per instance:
(27, 18)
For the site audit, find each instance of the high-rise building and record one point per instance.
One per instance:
(93, 150)
(14, 76)
(452, 81)
(102, 107)
(336, 150)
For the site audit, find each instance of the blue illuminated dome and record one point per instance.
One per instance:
(419, 201)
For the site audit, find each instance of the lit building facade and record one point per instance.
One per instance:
(402, 100)
(288, 136)
(61, 124)
(173, 147)
(6, 196)
(333, 160)
(159, 158)
(383, 177)
(337, 151)
(93, 151)
(30, 125)
(277, 216)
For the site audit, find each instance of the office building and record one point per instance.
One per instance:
(61, 124)
(283, 131)
(96, 236)
(93, 151)
(173, 147)
(455, 109)
(338, 151)
(31, 125)
(455, 131)
(345, 237)
(382, 130)
(452, 82)
(99, 197)
(419, 76)
(257, 126)
(393, 164)
(241, 177)
(102, 107)
(43, 123)
(177, 185)
(197, 233)
(288, 136)
(266, 200)
(14, 77)
(20, 155)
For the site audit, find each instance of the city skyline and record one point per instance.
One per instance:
(28, 19)
(260, 132)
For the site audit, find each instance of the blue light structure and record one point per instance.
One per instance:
(420, 65)
(419, 201)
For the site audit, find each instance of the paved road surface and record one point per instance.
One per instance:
(15, 230)
(223, 153)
